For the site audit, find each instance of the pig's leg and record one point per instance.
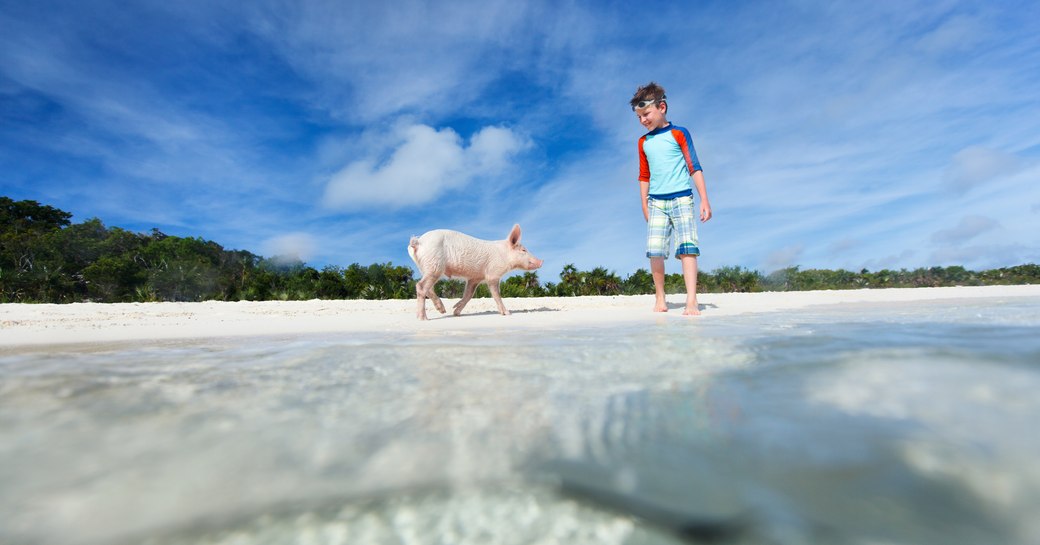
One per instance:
(471, 286)
(493, 287)
(432, 294)
(424, 285)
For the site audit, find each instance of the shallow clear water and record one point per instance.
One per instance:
(851, 424)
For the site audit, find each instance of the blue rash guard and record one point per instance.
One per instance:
(667, 159)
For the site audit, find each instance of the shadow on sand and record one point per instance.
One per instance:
(465, 314)
(674, 306)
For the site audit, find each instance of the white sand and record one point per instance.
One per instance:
(39, 325)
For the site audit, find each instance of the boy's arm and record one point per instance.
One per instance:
(644, 193)
(702, 190)
(644, 178)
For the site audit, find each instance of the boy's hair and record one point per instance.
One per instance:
(650, 91)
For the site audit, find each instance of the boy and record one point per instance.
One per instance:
(667, 164)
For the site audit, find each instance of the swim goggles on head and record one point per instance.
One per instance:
(644, 103)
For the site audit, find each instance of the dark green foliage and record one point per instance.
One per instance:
(331, 284)
(638, 283)
(730, 279)
(26, 216)
(573, 282)
(1019, 274)
(30, 263)
(454, 289)
(522, 285)
(46, 258)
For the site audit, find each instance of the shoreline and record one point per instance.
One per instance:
(41, 325)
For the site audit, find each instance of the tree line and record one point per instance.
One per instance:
(45, 258)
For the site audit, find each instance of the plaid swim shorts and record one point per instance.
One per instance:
(668, 218)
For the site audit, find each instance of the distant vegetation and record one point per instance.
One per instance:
(44, 258)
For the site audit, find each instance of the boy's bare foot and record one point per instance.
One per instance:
(660, 306)
(692, 308)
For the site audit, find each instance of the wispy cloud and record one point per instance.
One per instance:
(291, 247)
(966, 229)
(845, 135)
(367, 61)
(784, 257)
(976, 166)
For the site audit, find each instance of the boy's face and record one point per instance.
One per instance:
(652, 117)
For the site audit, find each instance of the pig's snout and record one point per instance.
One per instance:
(534, 263)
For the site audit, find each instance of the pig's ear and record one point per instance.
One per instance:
(514, 235)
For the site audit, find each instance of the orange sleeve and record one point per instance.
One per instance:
(644, 166)
(692, 165)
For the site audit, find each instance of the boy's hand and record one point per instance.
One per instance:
(705, 211)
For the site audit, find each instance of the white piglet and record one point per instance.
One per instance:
(443, 252)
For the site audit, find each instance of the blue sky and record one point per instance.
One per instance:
(833, 134)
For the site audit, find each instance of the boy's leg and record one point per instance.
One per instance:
(689, 272)
(658, 232)
(657, 271)
(687, 251)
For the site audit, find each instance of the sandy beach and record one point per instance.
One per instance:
(48, 324)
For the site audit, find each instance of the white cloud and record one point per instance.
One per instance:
(968, 228)
(890, 261)
(427, 163)
(290, 247)
(843, 246)
(784, 257)
(975, 166)
(491, 149)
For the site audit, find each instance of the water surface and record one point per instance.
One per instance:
(911, 423)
